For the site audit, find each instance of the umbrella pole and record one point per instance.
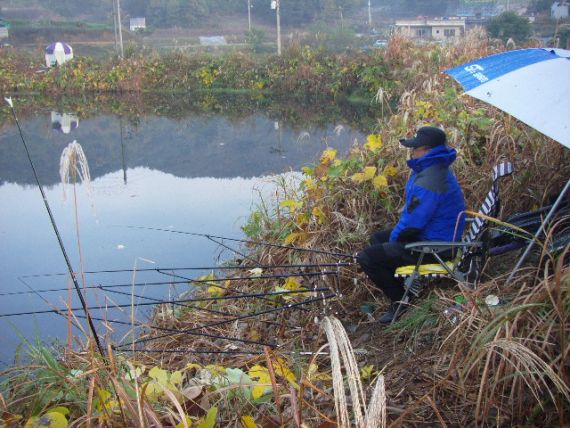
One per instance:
(539, 231)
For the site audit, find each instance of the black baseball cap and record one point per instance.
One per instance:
(428, 136)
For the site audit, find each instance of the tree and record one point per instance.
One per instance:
(509, 25)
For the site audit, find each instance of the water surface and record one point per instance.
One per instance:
(192, 172)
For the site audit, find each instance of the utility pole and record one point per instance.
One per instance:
(275, 5)
(249, 15)
(115, 25)
(369, 16)
(119, 24)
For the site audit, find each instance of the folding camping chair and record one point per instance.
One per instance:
(471, 252)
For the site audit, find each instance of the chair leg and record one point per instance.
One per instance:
(411, 286)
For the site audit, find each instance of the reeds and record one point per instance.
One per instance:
(498, 365)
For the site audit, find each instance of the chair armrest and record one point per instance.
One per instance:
(428, 247)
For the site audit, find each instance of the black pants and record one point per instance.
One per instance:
(381, 259)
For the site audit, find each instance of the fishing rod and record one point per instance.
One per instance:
(238, 318)
(173, 330)
(194, 351)
(190, 351)
(266, 244)
(55, 229)
(201, 299)
(185, 281)
(270, 276)
(159, 301)
(159, 270)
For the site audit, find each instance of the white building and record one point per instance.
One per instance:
(560, 9)
(137, 24)
(432, 29)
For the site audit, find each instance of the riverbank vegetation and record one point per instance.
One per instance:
(506, 365)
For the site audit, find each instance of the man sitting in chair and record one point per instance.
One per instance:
(434, 202)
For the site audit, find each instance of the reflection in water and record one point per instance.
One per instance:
(197, 173)
(64, 122)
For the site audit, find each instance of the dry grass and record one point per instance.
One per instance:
(506, 365)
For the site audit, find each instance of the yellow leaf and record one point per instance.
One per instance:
(366, 372)
(374, 142)
(308, 171)
(253, 334)
(60, 409)
(248, 422)
(153, 390)
(328, 156)
(49, 420)
(380, 182)
(261, 376)
(216, 369)
(188, 421)
(159, 375)
(292, 283)
(319, 214)
(309, 184)
(313, 373)
(210, 420)
(291, 204)
(366, 175)
(295, 237)
(216, 291)
(176, 378)
(207, 277)
(302, 219)
(282, 370)
(390, 171)
(191, 366)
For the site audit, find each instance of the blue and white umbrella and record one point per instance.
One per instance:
(58, 53)
(532, 85)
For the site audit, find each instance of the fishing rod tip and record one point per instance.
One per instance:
(9, 101)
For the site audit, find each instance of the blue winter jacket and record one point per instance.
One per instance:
(434, 200)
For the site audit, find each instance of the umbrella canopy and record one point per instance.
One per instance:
(58, 53)
(64, 122)
(532, 85)
(59, 46)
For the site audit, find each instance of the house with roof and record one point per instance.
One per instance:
(560, 9)
(137, 24)
(431, 28)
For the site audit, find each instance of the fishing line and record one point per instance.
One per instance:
(255, 314)
(256, 262)
(264, 267)
(202, 299)
(48, 303)
(266, 244)
(185, 281)
(55, 229)
(173, 330)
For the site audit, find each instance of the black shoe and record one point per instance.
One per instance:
(390, 314)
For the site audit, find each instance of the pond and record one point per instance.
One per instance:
(154, 163)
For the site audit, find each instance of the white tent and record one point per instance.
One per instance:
(58, 53)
